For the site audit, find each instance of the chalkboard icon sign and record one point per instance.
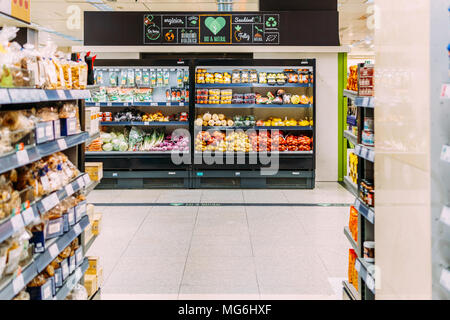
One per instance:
(152, 30)
(192, 21)
(242, 33)
(215, 29)
(272, 22)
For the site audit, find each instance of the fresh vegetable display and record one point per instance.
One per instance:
(239, 141)
(136, 139)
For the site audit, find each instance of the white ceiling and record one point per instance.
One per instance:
(53, 16)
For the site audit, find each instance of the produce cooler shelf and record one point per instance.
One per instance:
(252, 106)
(148, 124)
(137, 104)
(253, 85)
(285, 128)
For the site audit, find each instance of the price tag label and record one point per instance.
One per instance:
(65, 269)
(17, 222)
(109, 104)
(18, 284)
(364, 153)
(28, 216)
(87, 179)
(75, 94)
(77, 229)
(53, 250)
(146, 123)
(154, 104)
(61, 94)
(168, 104)
(365, 102)
(78, 273)
(445, 215)
(295, 173)
(371, 155)
(62, 144)
(370, 282)
(181, 104)
(445, 279)
(171, 173)
(69, 189)
(80, 182)
(125, 104)
(445, 153)
(50, 201)
(358, 150)
(358, 266)
(97, 104)
(370, 216)
(22, 157)
(445, 93)
(4, 96)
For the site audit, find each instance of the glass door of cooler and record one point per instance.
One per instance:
(258, 107)
(140, 108)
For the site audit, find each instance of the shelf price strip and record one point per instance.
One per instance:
(365, 211)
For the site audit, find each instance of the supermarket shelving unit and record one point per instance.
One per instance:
(73, 146)
(366, 215)
(146, 169)
(296, 169)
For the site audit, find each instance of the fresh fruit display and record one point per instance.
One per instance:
(303, 76)
(136, 139)
(220, 120)
(278, 122)
(277, 141)
(239, 141)
(131, 114)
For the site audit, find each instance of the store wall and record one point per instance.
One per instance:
(402, 148)
(326, 109)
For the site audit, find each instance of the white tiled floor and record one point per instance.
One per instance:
(223, 252)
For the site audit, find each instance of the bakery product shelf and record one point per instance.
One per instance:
(29, 95)
(71, 281)
(136, 104)
(33, 153)
(148, 123)
(253, 85)
(54, 248)
(364, 210)
(18, 222)
(242, 105)
(17, 283)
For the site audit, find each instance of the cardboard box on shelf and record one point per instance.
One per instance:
(93, 265)
(100, 277)
(88, 235)
(95, 170)
(92, 120)
(90, 283)
(96, 225)
(90, 211)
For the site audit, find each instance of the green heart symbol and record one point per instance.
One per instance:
(215, 24)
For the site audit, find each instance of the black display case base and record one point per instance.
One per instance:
(145, 180)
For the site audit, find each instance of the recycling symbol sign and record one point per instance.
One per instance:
(271, 22)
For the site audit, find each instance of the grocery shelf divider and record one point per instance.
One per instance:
(351, 240)
(367, 212)
(63, 143)
(30, 95)
(350, 137)
(353, 293)
(71, 281)
(56, 247)
(351, 186)
(367, 153)
(366, 273)
(18, 159)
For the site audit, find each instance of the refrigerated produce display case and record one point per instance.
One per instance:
(141, 110)
(243, 116)
(250, 111)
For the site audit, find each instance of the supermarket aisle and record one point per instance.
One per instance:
(238, 251)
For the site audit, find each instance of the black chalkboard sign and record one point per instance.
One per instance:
(294, 28)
